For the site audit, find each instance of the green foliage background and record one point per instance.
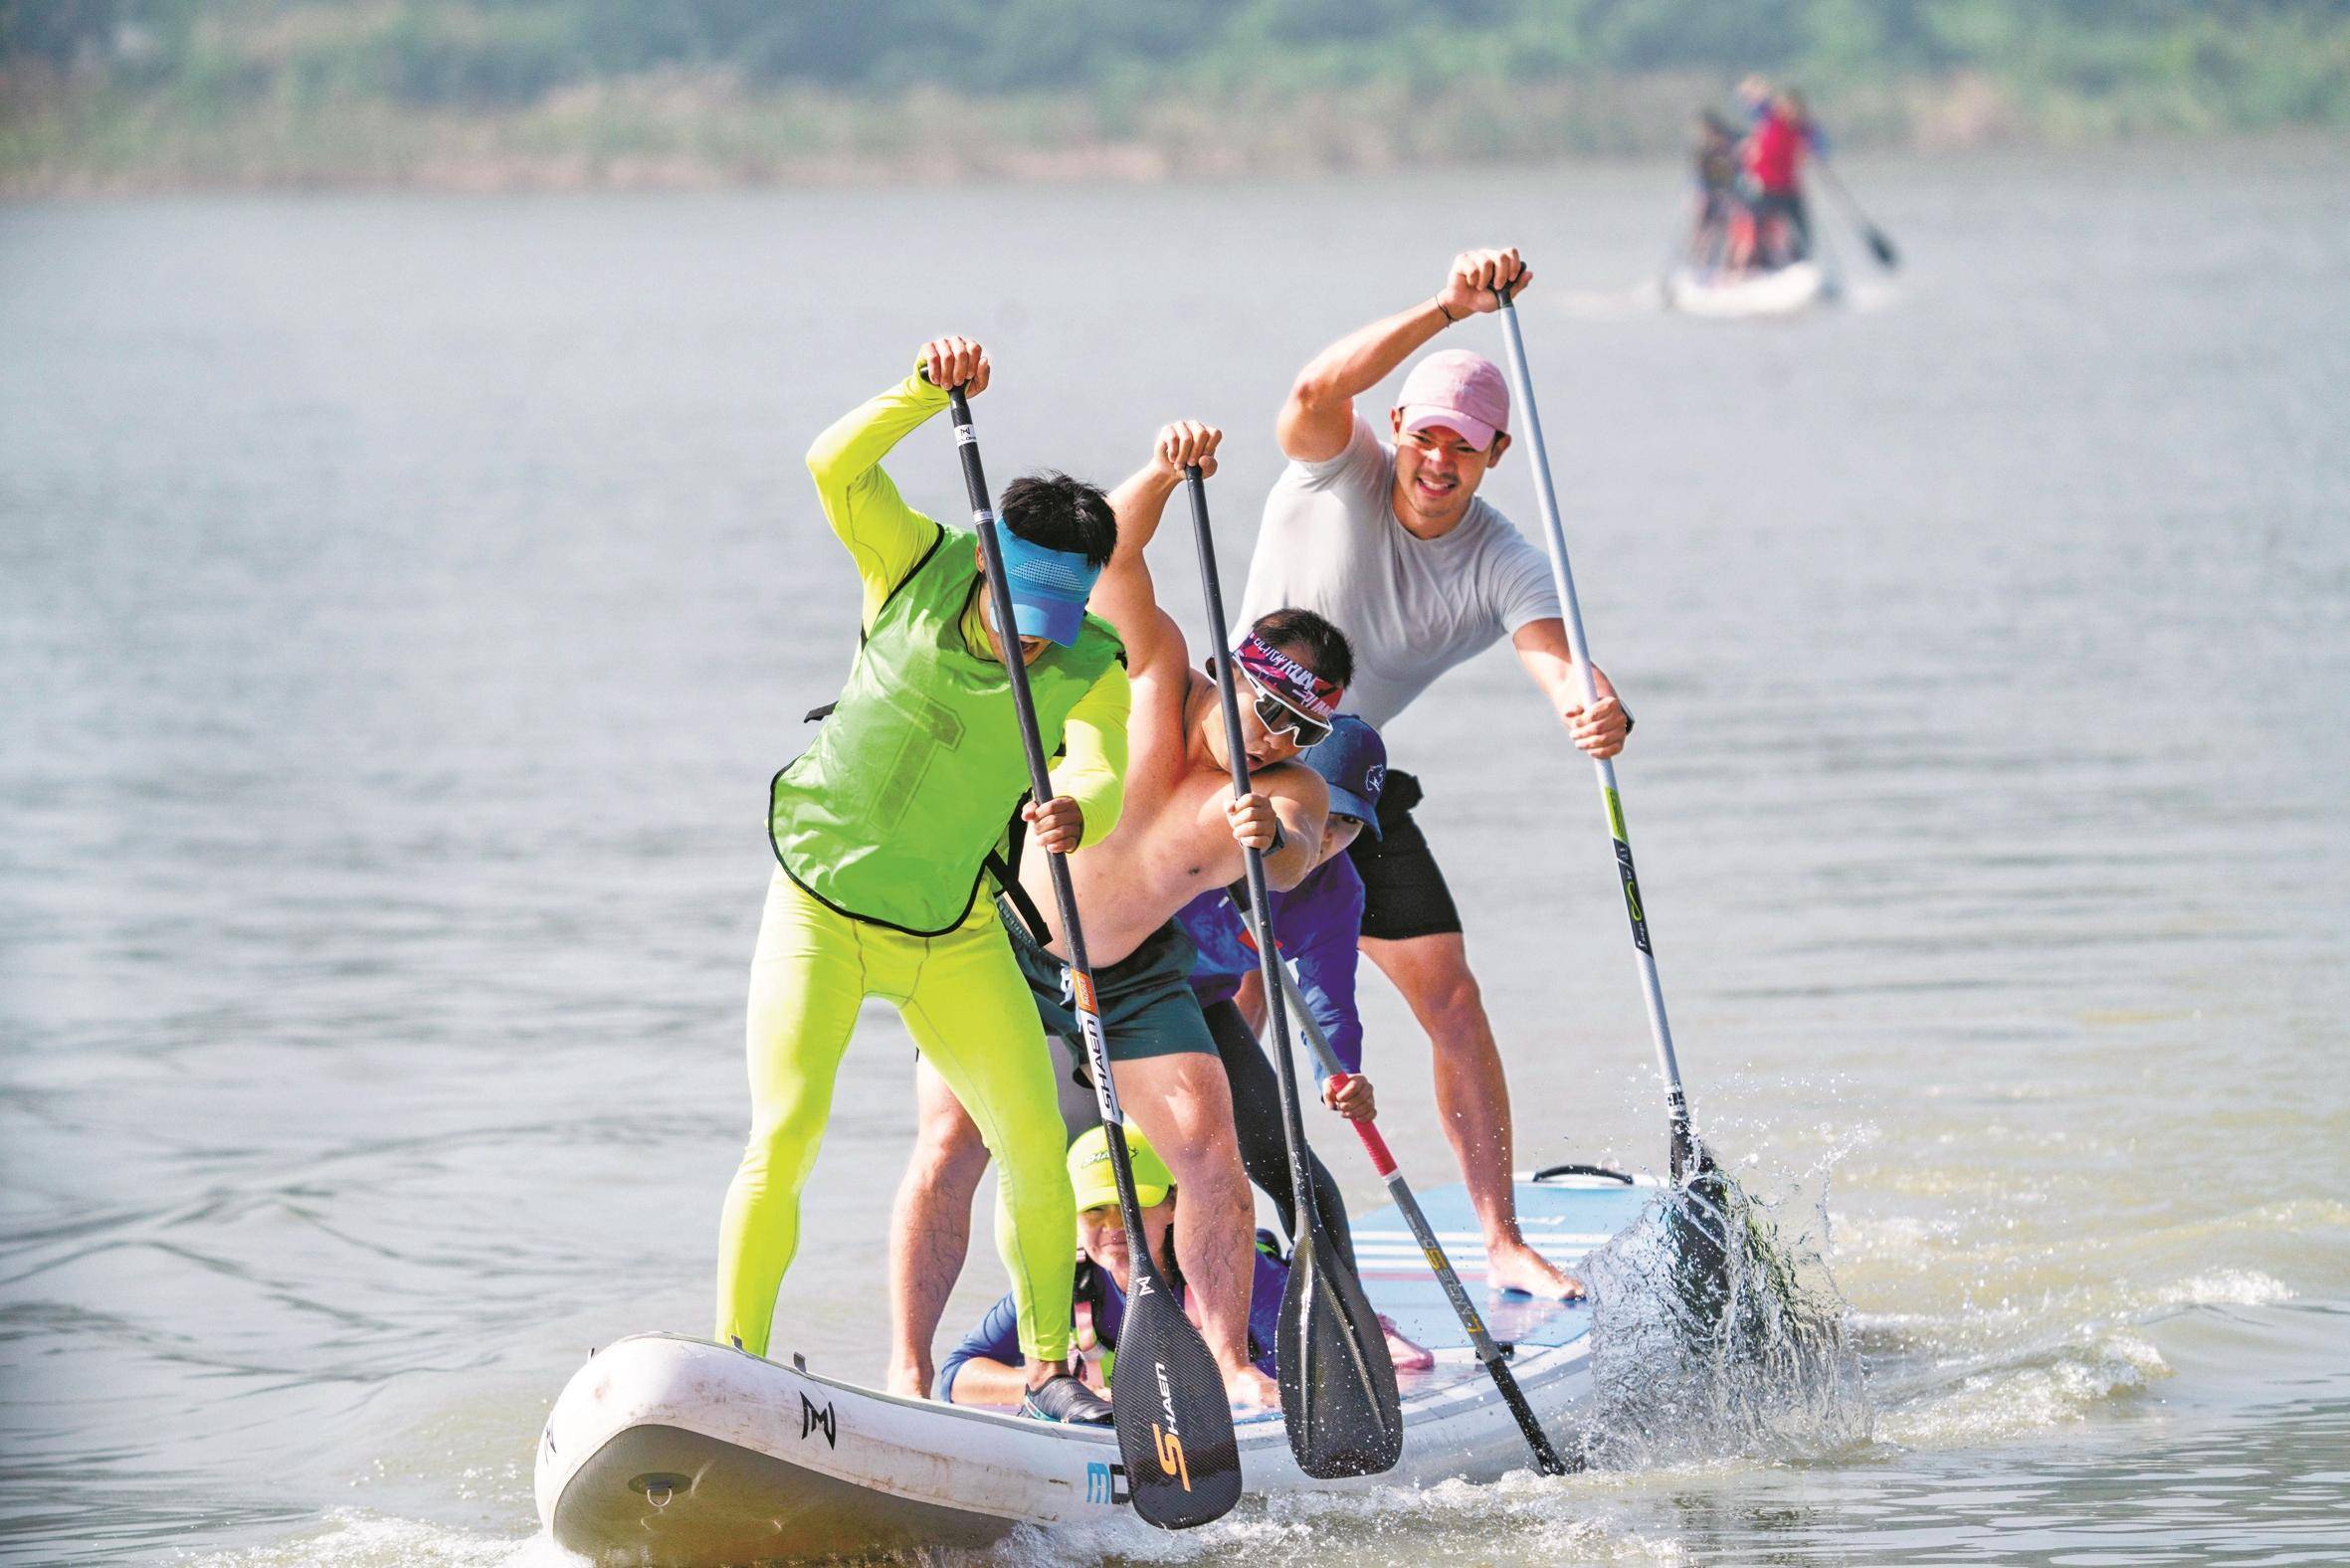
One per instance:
(99, 92)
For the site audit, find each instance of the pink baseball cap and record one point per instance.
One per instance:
(1459, 391)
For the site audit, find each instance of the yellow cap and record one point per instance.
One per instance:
(1090, 1177)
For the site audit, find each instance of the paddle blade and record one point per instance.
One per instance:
(1882, 249)
(1696, 1225)
(1174, 1425)
(1339, 1391)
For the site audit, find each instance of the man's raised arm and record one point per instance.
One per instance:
(1125, 596)
(1317, 421)
(886, 537)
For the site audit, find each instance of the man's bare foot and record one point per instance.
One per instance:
(1251, 1389)
(910, 1381)
(1513, 1265)
(1405, 1354)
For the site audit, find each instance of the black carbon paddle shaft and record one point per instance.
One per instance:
(1338, 1392)
(1236, 748)
(1175, 1436)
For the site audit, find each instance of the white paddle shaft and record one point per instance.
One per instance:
(1555, 535)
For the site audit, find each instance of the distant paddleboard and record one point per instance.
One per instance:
(1787, 290)
(666, 1450)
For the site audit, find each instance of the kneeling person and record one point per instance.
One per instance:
(987, 1368)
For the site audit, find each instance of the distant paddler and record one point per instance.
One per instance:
(1721, 211)
(1783, 134)
(1386, 538)
(883, 830)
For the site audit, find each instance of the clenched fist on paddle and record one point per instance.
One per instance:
(955, 362)
(1478, 278)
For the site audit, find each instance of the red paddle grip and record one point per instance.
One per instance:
(1381, 1162)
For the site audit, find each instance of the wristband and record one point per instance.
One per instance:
(1281, 835)
(1449, 318)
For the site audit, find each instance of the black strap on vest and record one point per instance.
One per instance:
(1006, 869)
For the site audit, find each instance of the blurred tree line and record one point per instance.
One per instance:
(2177, 65)
(508, 52)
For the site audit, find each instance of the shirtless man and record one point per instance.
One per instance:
(1182, 832)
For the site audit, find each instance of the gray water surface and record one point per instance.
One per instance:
(404, 601)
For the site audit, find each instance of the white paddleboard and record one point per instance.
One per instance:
(668, 1450)
(1787, 290)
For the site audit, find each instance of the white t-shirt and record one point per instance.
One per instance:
(1413, 608)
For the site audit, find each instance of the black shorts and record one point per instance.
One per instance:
(1404, 891)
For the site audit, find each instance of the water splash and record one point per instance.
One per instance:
(1719, 1331)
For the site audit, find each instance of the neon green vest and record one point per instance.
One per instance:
(891, 815)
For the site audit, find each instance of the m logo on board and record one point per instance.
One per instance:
(814, 1420)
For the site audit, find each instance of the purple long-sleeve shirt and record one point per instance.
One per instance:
(1316, 922)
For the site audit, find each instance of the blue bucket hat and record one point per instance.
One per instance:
(1353, 763)
(1048, 587)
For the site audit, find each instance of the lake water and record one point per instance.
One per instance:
(404, 601)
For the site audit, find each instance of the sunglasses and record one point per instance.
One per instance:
(1282, 720)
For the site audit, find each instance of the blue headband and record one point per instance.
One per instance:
(1048, 587)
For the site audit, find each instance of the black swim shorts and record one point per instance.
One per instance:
(1404, 891)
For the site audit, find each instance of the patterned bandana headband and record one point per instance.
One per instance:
(1287, 679)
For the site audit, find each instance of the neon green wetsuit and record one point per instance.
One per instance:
(880, 830)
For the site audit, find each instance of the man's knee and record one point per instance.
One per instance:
(1032, 1184)
(1205, 1154)
(947, 1142)
(1190, 1092)
(1457, 1005)
(780, 1152)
